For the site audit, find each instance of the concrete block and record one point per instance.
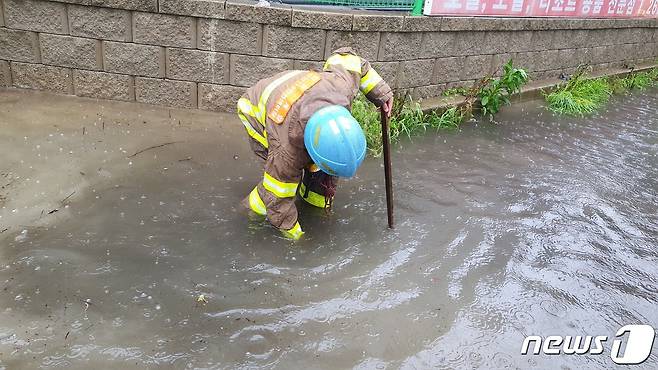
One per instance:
(399, 46)
(246, 70)
(99, 23)
(421, 24)
(476, 67)
(429, 91)
(542, 40)
(165, 30)
(508, 42)
(41, 16)
(22, 46)
(5, 74)
(219, 98)
(471, 43)
(308, 65)
(197, 65)
(599, 55)
(388, 70)
(140, 5)
(303, 18)
(194, 8)
(69, 51)
(548, 59)
(527, 60)
(415, 73)
(438, 44)
(447, 69)
(498, 60)
(41, 77)
(133, 59)
(567, 58)
(229, 36)
(483, 24)
(560, 39)
(297, 43)
(178, 94)
(377, 22)
(366, 44)
(102, 85)
(248, 11)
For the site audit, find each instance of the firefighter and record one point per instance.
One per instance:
(299, 123)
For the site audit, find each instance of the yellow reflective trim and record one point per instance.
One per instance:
(348, 61)
(370, 80)
(246, 107)
(295, 233)
(313, 198)
(279, 188)
(256, 204)
(253, 133)
(262, 101)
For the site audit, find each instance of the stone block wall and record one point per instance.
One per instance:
(204, 53)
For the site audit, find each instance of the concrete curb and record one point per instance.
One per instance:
(531, 91)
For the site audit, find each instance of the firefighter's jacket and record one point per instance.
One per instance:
(275, 111)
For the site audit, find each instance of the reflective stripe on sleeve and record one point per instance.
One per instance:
(256, 204)
(246, 107)
(262, 101)
(252, 132)
(313, 198)
(295, 233)
(348, 61)
(279, 188)
(370, 80)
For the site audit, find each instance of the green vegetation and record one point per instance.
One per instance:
(408, 119)
(495, 92)
(455, 91)
(581, 96)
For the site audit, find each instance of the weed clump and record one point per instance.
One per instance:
(407, 119)
(495, 92)
(579, 96)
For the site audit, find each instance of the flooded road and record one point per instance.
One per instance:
(536, 226)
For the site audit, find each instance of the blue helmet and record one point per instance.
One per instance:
(335, 141)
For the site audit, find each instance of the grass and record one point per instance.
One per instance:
(407, 120)
(582, 97)
(579, 96)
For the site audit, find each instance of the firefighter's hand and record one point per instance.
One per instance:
(388, 107)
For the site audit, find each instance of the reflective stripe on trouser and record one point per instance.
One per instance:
(256, 203)
(312, 197)
(350, 62)
(279, 188)
(369, 81)
(295, 233)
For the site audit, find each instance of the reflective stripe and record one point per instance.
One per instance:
(370, 80)
(253, 133)
(294, 233)
(313, 198)
(279, 188)
(262, 101)
(256, 204)
(245, 106)
(348, 61)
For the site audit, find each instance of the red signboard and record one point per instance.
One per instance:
(545, 8)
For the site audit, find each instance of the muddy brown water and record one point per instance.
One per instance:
(536, 226)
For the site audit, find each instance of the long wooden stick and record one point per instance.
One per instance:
(387, 168)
